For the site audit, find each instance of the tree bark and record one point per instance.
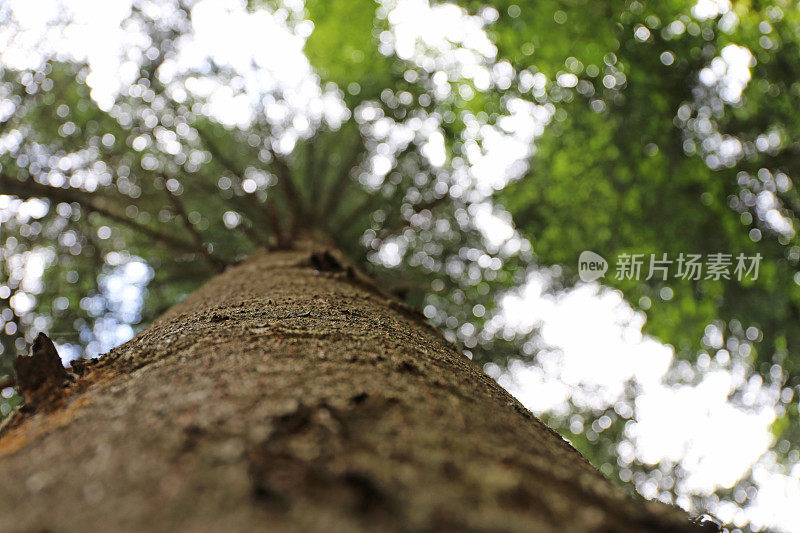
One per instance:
(289, 393)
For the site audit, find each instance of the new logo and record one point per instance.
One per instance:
(591, 266)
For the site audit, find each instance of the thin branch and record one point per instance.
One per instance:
(314, 180)
(243, 203)
(252, 235)
(288, 188)
(7, 381)
(364, 208)
(372, 199)
(214, 262)
(281, 241)
(272, 219)
(336, 192)
(399, 228)
(32, 189)
(5, 278)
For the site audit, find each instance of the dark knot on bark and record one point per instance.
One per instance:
(325, 261)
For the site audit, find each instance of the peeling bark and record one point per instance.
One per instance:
(285, 396)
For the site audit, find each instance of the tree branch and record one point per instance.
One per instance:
(288, 188)
(272, 218)
(214, 262)
(336, 193)
(31, 189)
(396, 229)
(7, 381)
(281, 240)
(244, 203)
(314, 181)
(362, 209)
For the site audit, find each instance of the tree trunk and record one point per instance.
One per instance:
(291, 394)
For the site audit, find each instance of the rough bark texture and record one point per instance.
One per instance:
(286, 397)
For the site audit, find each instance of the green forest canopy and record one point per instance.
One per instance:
(633, 128)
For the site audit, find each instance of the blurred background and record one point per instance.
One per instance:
(465, 153)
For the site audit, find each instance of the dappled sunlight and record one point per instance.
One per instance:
(464, 155)
(590, 349)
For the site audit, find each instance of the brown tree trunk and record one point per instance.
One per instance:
(290, 394)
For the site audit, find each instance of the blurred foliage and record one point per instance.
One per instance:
(633, 169)
(651, 151)
(653, 146)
